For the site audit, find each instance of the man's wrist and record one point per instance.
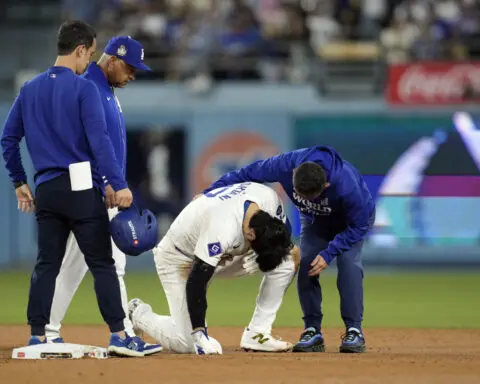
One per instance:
(18, 184)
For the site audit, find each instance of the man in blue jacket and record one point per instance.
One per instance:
(336, 213)
(122, 57)
(61, 117)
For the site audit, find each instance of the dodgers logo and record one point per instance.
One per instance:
(214, 249)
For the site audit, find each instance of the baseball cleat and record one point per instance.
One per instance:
(311, 340)
(151, 349)
(259, 342)
(128, 347)
(55, 340)
(353, 341)
(35, 340)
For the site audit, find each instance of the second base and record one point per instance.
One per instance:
(59, 351)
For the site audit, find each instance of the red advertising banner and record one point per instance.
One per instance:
(434, 83)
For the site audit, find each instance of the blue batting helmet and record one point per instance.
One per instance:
(134, 231)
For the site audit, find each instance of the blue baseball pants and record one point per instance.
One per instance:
(349, 279)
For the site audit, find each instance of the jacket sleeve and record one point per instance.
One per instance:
(261, 171)
(358, 225)
(93, 118)
(12, 134)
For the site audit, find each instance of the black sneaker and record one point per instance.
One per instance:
(310, 341)
(353, 341)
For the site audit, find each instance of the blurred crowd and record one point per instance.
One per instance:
(278, 39)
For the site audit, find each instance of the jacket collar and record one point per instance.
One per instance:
(95, 73)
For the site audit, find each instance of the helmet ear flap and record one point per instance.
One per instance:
(150, 219)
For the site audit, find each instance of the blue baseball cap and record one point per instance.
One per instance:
(128, 50)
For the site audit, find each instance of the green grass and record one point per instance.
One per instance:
(426, 300)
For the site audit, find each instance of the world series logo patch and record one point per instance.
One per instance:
(214, 249)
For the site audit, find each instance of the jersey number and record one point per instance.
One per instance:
(217, 192)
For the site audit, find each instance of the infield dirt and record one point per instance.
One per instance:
(393, 356)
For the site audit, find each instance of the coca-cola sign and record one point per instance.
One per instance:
(434, 83)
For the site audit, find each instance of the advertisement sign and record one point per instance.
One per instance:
(228, 152)
(434, 83)
(424, 173)
(221, 143)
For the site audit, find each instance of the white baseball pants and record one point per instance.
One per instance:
(174, 332)
(71, 274)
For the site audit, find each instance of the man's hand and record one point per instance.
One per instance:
(204, 344)
(250, 264)
(123, 198)
(109, 196)
(318, 265)
(26, 202)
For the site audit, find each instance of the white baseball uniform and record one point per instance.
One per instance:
(71, 274)
(210, 228)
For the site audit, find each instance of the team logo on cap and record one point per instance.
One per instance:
(121, 51)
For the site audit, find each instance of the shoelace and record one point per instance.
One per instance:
(349, 336)
(307, 335)
(276, 337)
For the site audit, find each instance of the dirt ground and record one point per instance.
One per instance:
(393, 356)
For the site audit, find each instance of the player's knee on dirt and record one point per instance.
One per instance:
(184, 344)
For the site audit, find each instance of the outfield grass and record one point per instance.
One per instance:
(426, 300)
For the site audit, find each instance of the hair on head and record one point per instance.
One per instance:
(73, 33)
(309, 179)
(272, 240)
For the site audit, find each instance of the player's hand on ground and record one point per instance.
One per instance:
(318, 265)
(26, 202)
(123, 198)
(109, 197)
(204, 344)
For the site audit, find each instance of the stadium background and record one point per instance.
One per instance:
(227, 90)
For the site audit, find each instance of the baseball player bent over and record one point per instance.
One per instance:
(230, 232)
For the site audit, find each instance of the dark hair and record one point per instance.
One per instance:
(71, 34)
(309, 179)
(272, 240)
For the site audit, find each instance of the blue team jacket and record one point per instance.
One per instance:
(61, 117)
(113, 114)
(342, 213)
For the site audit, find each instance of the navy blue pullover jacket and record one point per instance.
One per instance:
(342, 213)
(113, 114)
(62, 118)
